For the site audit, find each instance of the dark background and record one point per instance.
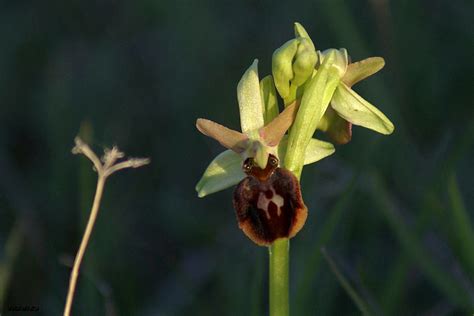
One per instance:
(393, 212)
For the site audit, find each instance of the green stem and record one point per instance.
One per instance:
(279, 282)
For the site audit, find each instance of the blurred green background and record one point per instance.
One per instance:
(394, 213)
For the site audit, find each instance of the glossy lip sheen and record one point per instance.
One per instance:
(268, 203)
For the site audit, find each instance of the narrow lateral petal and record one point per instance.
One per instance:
(250, 100)
(315, 151)
(223, 172)
(353, 108)
(362, 69)
(274, 131)
(227, 137)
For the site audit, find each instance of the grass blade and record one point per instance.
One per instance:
(410, 243)
(463, 234)
(13, 247)
(359, 302)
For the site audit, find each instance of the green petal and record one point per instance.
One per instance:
(270, 101)
(223, 172)
(362, 69)
(358, 111)
(250, 100)
(282, 66)
(315, 151)
(314, 103)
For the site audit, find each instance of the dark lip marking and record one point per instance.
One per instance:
(269, 194)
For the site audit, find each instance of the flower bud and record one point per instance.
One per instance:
(304, 63)
(293, 64)
(301, 32)
(341, 59)
(282, 66)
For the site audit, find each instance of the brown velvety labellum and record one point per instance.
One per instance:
(268, 203)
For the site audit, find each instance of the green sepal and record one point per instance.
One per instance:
(315, 151)
(353, 108)
(222, 173)
(362, 69)
(250, 100)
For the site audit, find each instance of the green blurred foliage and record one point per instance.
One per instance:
(395, 213)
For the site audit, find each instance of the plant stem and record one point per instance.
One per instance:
(279, 277)
(84, 243)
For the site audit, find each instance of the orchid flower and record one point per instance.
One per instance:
(347, 107)
(263, 134)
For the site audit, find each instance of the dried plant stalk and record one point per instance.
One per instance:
(104, 167)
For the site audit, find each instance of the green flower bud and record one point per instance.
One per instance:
(301, 32)
(304, 63)
(293, 64)
(282, 67)
(341, 59)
